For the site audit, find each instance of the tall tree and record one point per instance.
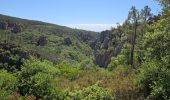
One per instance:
(119, 30)
(164, 3)
(133, 18)
(144, 16)
(145, 13)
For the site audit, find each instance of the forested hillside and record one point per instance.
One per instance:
(45, 61)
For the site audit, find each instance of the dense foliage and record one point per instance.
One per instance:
(45, 61)
(155, 72)
(8, 83)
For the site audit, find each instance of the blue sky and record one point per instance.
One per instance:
(94, 15)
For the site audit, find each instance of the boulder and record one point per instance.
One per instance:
(67, 41)
(42, 41)
(3, 25)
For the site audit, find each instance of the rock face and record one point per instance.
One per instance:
(106, 43)
(102, 59)
(11, 25)
(42, 41)
(117, 49)
(153, 19)
(67, 41)
(16, 28)
(105, 34)
(3, 25)
(93, 44)
(127, 39)
(84, 37)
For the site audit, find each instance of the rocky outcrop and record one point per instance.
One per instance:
(23, 54)
(127, 39)
(42, 41)
(117, 49)
(102, 59)
(17, 28)
(106, 43)
(7, 54)
(11, 24)
(67, 41)
(153, 19)
(105, 34)
(3, 25)
(93, 44)
(84, 37)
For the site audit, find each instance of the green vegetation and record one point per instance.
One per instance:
(155, 72)
(90, 93)
(45, 61)
(8, 84)
(36, 77)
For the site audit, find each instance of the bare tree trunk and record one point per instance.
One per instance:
(133, 45)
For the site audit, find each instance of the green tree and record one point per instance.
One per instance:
(164, 3)
(155, 73)
(146, 13)
(144, 16)
(119, 30)
(133, 17)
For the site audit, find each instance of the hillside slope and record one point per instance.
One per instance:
(49, 41)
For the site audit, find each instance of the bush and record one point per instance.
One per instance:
(116, 61)
(36, 78)
(155, 80)
(87, 64)
(8, 84)
(155, 74)
(94, 92)
(69, 70)
(157, 41)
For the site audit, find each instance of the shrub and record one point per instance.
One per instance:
(69, 70)
(36, 77)
(94, 92)
(116, 61)
(87, 64)
(155, 74)
(155, 80)
(7, 84)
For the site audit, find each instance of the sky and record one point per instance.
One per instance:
(95, 15)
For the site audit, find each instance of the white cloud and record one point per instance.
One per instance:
(92, 27)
